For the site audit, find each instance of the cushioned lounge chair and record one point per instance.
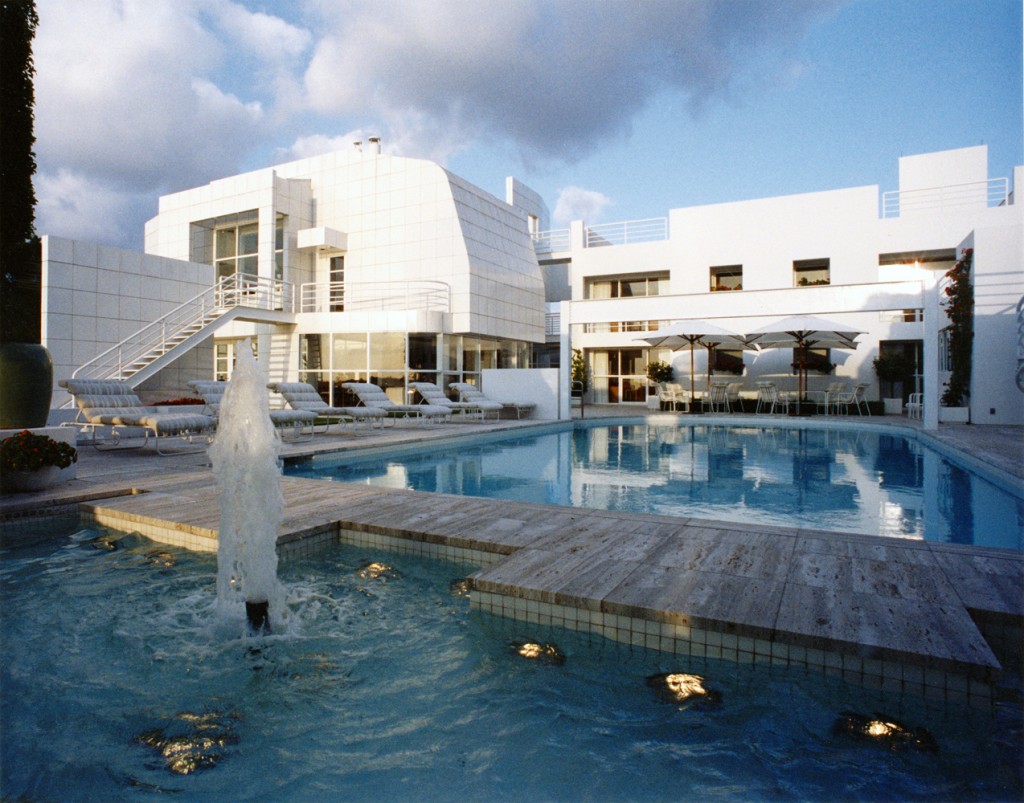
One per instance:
(300, 422)
(303, 396)
(470, 393)
(372, 396)
(433, 395)
(113, 403)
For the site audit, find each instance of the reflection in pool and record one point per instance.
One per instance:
(849, 480)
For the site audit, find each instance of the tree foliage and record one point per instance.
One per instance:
(960, 311)
(19, 246)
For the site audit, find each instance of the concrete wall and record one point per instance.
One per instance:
(94, 296)
(537, 386)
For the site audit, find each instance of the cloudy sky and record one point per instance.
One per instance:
(611, 109)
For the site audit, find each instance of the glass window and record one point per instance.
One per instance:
(470, 354)
(727, 277)
(349, 352)
(312, 351)
(811, 272)
(423, 352)
(726, 361)
(387, 351)
(633, 286)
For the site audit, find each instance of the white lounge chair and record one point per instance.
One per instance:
(372, 396)
(433, 395)
(112, 403)
(300, 422)
(470, 393)
(303, 396)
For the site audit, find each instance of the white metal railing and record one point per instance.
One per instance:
(544, 242)
(989, 193)
(155, 339)
(423, 294)
(552, 324)
(627, 232)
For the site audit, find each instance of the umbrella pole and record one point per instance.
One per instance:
(692, 408)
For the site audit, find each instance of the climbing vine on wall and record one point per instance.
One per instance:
(960, 311)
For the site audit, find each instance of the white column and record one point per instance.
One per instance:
(934, 317)
(565, 361)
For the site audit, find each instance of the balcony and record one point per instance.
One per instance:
(627, 232)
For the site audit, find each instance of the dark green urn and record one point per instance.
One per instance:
(26, 385)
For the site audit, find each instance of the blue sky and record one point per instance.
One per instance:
(611, 109)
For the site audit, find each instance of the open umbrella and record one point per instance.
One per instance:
(803, 332)
(693, 332)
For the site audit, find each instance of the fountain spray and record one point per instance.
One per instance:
(244, 455)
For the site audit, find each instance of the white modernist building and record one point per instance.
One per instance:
(348, 266)
(356, 265)
(875, 264)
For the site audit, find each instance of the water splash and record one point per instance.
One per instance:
(245, 462)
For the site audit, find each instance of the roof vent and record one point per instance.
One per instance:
(374, 145)
(358, 145)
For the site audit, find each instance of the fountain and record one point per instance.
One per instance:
(245, 464)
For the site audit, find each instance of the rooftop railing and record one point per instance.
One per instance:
(423, 295)
(627, 233)
(545, 242)
(989, 193)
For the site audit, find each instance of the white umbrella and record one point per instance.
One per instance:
(693, 332)
(804, 332)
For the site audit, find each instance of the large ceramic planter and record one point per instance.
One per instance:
(16, 481)
(26, 385)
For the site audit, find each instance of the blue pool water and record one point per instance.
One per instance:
(115, 686)
(849, 480)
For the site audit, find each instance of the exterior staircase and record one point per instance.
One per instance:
(158, 344)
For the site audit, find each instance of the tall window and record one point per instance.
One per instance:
(629, 286)
(337, 284)
(231, 244)
(727, 277)
(620, 375)
(811, 272)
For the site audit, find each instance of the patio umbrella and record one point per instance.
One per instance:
(803, 332)
(693, 332)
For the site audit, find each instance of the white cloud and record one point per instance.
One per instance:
(576, 203)
(70, 205)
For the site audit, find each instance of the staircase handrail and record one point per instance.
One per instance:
(238, 290)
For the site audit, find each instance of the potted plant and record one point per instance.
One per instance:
(897, 369)
(31, 462)
(658, 372)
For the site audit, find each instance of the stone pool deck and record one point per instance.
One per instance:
(907, 616)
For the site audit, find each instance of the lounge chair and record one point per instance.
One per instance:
(298, 421)
(470, 393)
(113, 403)
(433, 395)
(915, 406)
(372, 396)
(303, 396)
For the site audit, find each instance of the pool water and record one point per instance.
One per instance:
(115, 685)
(848, 480)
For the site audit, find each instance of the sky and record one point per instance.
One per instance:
(611, 109)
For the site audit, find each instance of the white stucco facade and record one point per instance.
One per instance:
(848, 255)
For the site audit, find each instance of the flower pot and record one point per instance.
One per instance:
(31, 480)
(954, 415)
(893, 406)
(26, 385)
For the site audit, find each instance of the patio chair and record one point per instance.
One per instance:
(373, 397)
(718, 398)
(298, 421)
(473, 395)
(304, 397)
(915, 406)
(433, 395)
(112, 403)
(769, 399)
(855, 397)
(672, 394)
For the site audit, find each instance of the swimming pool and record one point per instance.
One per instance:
(115, 686)
(849, 480)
